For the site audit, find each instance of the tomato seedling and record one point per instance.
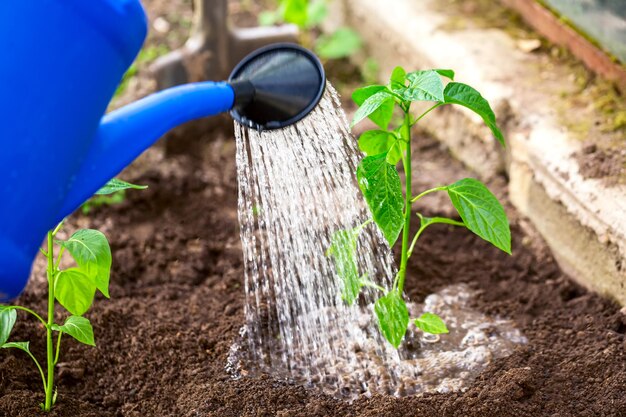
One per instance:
(379, 181)
(74, 288)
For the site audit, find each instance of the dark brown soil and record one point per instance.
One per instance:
(176, 306)
(607, 164)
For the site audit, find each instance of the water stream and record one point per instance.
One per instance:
(296, 187)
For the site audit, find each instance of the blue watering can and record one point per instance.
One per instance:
(62, 61)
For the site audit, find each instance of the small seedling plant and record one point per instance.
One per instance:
(309, 15)
(113, 193)
(74, 288)
(377, 174)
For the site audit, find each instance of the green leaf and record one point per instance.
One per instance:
(397, 149)
(374, 107)
(75, 290)
(448, 73)
(481, 212)
(380, 183)
(90, 249)
(361, 94)
(79, 328)
(379, 109)
(398, 76)
(340, 44)
(316, 13)
(431, 323)
(464, 95)
(115, 185)
(295, 11)
(17, 345)
(268, 18)
(8, 315)
(128, 75)
(393, 317)
(375, 142)
(423, 86)
(427, 221)
(369, 70)
(151, 53)
(343, 250)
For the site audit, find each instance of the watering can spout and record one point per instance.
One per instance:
(125, 133)
(271, 88)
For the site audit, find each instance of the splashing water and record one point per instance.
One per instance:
(296, 187)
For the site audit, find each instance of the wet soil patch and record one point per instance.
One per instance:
(177, 305)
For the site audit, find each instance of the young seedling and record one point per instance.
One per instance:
(308, 15)
(74, 288)
(378, 178)
(114, 192)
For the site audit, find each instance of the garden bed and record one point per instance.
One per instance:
(177, 306)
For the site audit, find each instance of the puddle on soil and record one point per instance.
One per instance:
(424, 363)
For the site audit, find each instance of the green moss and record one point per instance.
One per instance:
(484, 14)
(595, 106)
(619, 121)
(454, 23)
(610, 104)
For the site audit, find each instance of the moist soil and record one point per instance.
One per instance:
(177, 306)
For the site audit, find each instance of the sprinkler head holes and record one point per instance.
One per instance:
(276, 86)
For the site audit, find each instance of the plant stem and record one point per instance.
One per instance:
(50, 347)
(362, 226)
(432, 190)
(426, 112)
(417, 235)
(56, 229)
(56, 356)
(28, 310)
(399, 284)
(56, 265)
(406, 161)
(43, 377)
(370, 284)
(425, 224)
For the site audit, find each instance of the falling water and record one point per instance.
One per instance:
(296, 187)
